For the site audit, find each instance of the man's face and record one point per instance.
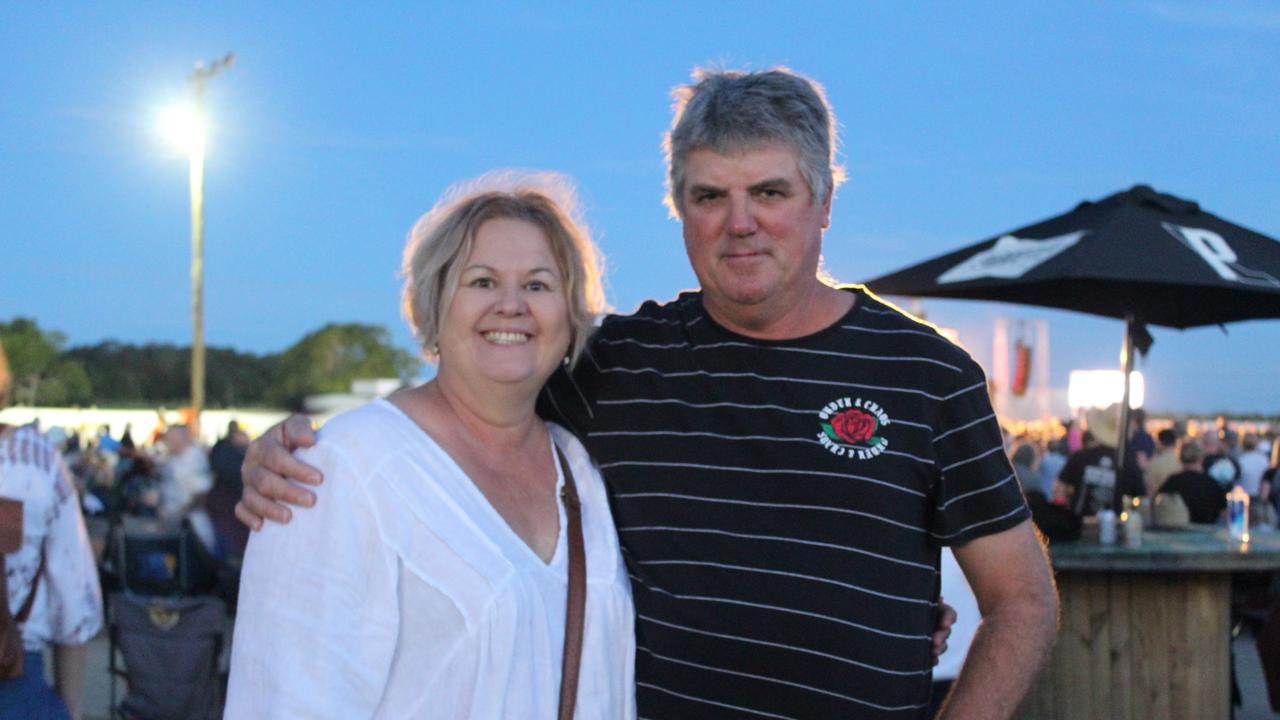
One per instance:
(752, 231)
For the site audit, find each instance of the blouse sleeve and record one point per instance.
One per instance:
(318, 613)
(75, 597)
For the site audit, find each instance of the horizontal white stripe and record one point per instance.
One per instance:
(783, 646)
(967, 528)
(762, 471)
(704, 406)
(966, 426)
(773, 538)
(899, 453)
(782, 348)
(898, 331)
(770, 378)
(992, 486)
(874, 311)
(784, 573)
(786, 506)
(996, 449)
(682, 696)
(745, 406)
(962, 391)
(776, 608)
(650, 433)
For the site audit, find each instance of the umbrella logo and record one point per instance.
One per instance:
(1010, 257)
(1215, 251)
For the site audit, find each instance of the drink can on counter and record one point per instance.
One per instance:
(1107, 526)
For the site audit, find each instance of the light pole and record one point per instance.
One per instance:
(195, 153)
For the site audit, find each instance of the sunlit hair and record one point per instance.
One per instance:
(441, 241)
(730, 110)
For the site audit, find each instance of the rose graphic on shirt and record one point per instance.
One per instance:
(853, 426)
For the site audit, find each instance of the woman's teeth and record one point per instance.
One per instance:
(506, 338)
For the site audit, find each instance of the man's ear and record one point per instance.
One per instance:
(826, 210)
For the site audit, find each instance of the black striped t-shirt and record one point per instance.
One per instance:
(781, 503)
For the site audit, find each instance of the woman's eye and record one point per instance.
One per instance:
(537, 286)
(481, 282)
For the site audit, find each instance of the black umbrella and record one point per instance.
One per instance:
(1139, 255)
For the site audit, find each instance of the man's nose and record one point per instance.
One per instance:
(742, 221)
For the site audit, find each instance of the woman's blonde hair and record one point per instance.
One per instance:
(441, 240)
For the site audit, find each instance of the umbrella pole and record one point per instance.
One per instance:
(1126, 361)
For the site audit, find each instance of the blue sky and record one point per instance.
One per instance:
(340, 123)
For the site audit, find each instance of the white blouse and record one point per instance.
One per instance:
(67, 608)
(404, 594)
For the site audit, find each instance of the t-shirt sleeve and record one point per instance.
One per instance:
(977, 492)
(70, 574)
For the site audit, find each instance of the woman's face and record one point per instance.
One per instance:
(508, 320)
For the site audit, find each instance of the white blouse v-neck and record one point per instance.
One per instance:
(404, 594)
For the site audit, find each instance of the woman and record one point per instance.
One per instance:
(429, 580)
(43, 534)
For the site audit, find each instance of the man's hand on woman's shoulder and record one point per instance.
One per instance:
(269, 465)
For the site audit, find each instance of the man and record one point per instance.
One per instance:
(1165, 462)
(786, 458)
(1140, 441)
(55, 556)
(1204, 497)
(1218, 462)
(1253, 464)
(1090, 481)
(185, 480)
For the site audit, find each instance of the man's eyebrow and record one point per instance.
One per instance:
(778, 183)
(704, 188)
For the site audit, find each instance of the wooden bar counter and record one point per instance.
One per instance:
(1146, 631)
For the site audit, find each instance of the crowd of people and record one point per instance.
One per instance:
(56, 573)
(1078, 468)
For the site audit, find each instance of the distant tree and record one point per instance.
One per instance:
(328, 359)
(65, 383)
(33, 356)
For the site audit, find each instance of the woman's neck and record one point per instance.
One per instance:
(495, 420)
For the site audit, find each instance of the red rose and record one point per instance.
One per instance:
(854, 426)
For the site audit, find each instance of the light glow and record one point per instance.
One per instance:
(1103, 388)
(183, 127)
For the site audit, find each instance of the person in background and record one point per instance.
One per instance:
(1055, 457)
(1141, 443)
(1024, 464)
(225, 458)
(185, 480)
(1218, 461)
(57, 559)
(1165, 462)
(1090, 482)
(1253, 464)
(1204, 497)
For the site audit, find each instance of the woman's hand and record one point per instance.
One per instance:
(268, 467)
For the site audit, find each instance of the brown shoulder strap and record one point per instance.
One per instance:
(575, 605)
(22, 615)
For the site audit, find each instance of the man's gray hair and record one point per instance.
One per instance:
(730, 110)
(441, 241)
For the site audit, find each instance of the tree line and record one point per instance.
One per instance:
(46, 372)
